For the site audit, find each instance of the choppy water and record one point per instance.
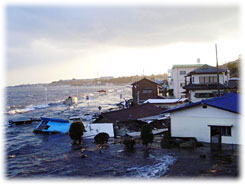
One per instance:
(35, 155)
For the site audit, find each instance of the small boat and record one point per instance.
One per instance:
(53, 125)
(71, 100)
(102, 92)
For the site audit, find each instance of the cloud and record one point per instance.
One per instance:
(39, 35)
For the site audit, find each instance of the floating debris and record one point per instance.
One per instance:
(11, 156)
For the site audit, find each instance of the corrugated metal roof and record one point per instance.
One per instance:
(132, 113)
(228, 102)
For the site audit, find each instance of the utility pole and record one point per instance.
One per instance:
(217, 67)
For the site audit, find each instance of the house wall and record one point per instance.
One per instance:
(140, 86)
(178, 79)
(193, 122)
(193, 92)
(222, 78)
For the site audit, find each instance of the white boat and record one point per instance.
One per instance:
(71, 100)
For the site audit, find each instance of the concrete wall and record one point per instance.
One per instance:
(193, 122)
(177, 79)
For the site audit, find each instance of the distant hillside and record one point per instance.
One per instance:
(234, 67)
(101, 81)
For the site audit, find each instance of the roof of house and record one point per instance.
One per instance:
(144, 79)
(203, 86)
(228, 102)
(132, 113)
(166, 101)
(187, 66)
(206, 69)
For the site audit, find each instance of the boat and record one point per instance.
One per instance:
(71, 100)
(54, 125)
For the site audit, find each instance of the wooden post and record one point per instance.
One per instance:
(217, 67)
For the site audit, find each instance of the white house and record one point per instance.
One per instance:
(178, 74)
(202, 83)
(214, 120)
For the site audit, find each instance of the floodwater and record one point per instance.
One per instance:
(29, 155)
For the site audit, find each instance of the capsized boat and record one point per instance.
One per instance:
(54, 125)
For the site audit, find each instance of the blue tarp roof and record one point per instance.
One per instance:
(229, 102)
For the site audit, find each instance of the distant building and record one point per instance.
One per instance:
(106, 77)
(214, 120)
(145, 89)
(177, 79)
(201, 83)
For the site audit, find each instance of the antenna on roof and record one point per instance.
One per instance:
(143, 72)
(198, 61)
(217, 67)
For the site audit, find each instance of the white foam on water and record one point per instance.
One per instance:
(27, 109)
(156, 170)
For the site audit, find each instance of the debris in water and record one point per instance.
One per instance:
(11, 156)
(84, 156)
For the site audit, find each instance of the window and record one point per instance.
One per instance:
(201, 80)
(226, 131)
(193, 79)
(182, 72)
(182, 84)
(206, 78)
(204, 95)
(147, 91)
(213, 79)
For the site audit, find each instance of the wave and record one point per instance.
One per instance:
(156, 170)
(27, 109)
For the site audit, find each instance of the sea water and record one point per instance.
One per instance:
(30, 155)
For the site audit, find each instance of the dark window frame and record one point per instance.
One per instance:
(226, 131)
(147, 91)
(182, 72)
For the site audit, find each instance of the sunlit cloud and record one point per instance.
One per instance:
(79, 42)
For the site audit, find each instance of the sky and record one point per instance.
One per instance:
(46, 43)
